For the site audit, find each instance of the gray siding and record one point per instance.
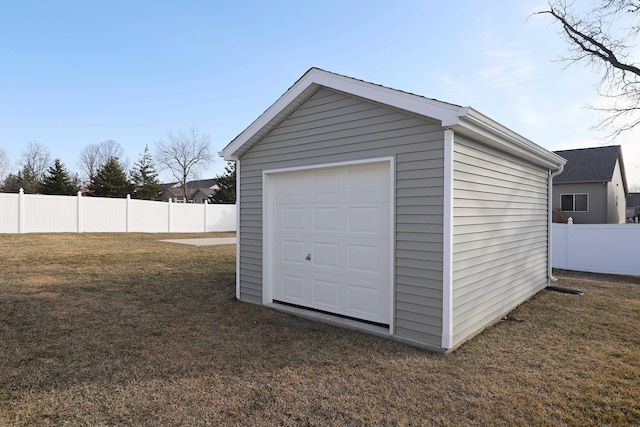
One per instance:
(597, 192)
(499, 234)
(334, 127)
(616, 199)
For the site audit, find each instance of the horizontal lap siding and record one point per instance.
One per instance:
(499, 234)
(332, 127)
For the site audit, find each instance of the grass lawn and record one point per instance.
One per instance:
(121, 329)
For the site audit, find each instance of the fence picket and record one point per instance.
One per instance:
(29, 213)
(598, 248)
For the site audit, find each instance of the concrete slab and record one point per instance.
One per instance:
(204, 241)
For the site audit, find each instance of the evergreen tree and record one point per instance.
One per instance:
(144, 178)
(29, 180)
(12, 183)
(110, 181)
(58, 181)
(226, 192)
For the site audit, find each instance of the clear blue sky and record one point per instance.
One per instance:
(74, 73)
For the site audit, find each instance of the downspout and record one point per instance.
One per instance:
(552, 174)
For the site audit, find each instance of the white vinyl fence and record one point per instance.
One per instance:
(37, 213)
(598, 248)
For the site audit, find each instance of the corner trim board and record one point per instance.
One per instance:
(447, 243)
(238, 229)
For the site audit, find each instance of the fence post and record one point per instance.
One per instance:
(569, 239)
(79, 211)
(128, 213)
(21, 211)
(169, 216)
(206, 202)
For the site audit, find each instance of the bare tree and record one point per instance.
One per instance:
(36, 158)
(184, 154)
(89, 160)
(110, 149)
(602, 39)
(94, 156)
(5, 164)
(35, 161)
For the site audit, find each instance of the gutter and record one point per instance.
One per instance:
(552, 174)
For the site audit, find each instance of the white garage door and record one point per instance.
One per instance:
(331, 240)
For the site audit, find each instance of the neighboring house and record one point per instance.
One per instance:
(198, 191)
(399, 215)
(633, 206)
(592, 189)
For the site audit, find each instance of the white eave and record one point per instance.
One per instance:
(464, 120)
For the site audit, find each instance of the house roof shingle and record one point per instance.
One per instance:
(589, 164)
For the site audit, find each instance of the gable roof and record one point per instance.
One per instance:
(465, 120)
(595, 164)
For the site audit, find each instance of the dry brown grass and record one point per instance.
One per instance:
(120, 329)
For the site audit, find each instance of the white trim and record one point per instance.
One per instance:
(392, 244)
(447, 243)
(552, 174)
(267, 238)
(238, 229)
(267, 218)
(462, 119)
(330, 165)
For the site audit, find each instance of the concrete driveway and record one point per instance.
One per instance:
(204, 241)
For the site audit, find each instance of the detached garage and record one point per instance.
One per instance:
(386, 211)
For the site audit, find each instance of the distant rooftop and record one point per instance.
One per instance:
(589, 164)
(633, 200)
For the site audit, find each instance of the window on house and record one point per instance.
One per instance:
(574, 202)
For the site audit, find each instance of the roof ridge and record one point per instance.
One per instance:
(386, 87)
(589, 148)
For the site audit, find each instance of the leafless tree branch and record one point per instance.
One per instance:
(184, 154)
(602, 38)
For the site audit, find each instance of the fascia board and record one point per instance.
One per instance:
(442, 111)
(487, 130)
(287, 102)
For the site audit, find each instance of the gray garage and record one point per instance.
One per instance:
(386, 211)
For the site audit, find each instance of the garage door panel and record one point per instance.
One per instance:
(293, 219)
(293, 189)
(293, 252)
(326, 184)
(363, 258)
(294, 288)
(363, 300)
(326, 219)
(343, 224)
(364, 220)
(326, 255)
(326, 294)
(367, 183)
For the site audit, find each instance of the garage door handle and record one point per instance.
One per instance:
(308, 257)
